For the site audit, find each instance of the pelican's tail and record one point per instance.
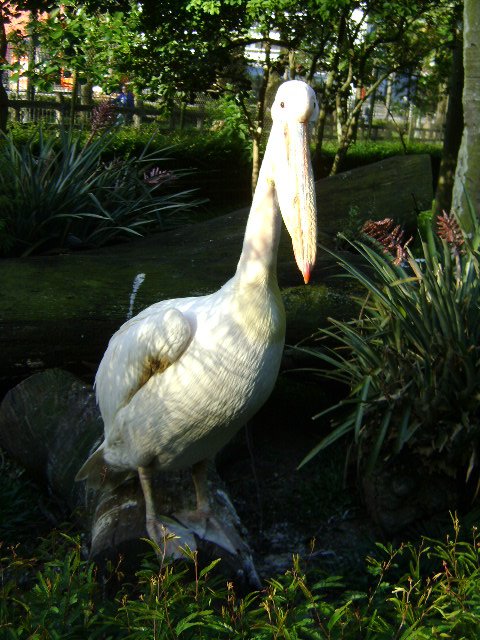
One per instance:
(98, 474)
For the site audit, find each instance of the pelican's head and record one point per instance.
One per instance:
(294, 109)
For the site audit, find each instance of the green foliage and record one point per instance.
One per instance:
(411, 358)
(19, 505)
(82, 40)
(57, 190)
(365, 152)
(187, 149)
(228, 119)
(220, 159)
(431, 590)
(51, 595)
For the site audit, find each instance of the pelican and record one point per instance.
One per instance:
(179, 380)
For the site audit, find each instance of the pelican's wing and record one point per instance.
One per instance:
(141, 348)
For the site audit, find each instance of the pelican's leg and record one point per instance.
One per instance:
(145, 475)
(200, 474)
(168, 535)
(203, 521)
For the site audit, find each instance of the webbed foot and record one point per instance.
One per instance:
(206, 526)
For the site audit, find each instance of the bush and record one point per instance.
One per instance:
(411, 359)
(365, 152)
(218, 163)
(425, 591)
(57, 192)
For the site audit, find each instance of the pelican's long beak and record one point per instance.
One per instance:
(295, 189)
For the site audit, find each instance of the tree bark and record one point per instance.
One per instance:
(256, 158)
(389, 91)
(31, 52)
(260, 119)
(292, 71)
(137, 116)
(466, 189)
(3, 55)
(453, 130)
(74, 99)
(86, 99)
(326, 106)
(322, 116)
(350, 126)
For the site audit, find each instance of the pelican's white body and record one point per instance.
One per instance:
(227, 365)
(178, 380)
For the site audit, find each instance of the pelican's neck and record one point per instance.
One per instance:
(258, 260)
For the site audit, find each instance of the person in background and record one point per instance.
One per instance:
(125, 99)
(129, 103)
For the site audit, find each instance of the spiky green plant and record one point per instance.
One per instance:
(57, 192)
(411, 359)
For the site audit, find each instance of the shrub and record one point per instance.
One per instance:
(56, 192)
(425, 591)
(365, 152)
(411, 358)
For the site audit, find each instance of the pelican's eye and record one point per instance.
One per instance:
(282, 104)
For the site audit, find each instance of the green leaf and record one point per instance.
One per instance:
(339, 612)
(335, 435)
(207, 569)
(403, 433)
(361, 407)
(382, 432)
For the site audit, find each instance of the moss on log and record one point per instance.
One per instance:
(61, 310)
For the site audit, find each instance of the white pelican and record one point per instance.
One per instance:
(178, 380)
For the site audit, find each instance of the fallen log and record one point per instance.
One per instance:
(60, 311)
(49, 423)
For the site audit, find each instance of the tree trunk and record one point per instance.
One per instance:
(351, 123)
(326, 104)
(31, 53)
(388, 93)
(3, 55)
(183, 109)
(256, 159)
(322, 116)
(74, 99)
(443, 91)
(86, 99)
(371, 110)
(260, 118)
(292, 71)
(340, 113)
(348, 137)
(453, 131)
(466, 189)
(137, 117)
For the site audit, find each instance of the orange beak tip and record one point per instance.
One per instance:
(306, 274)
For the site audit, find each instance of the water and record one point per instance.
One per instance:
(137, 283)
